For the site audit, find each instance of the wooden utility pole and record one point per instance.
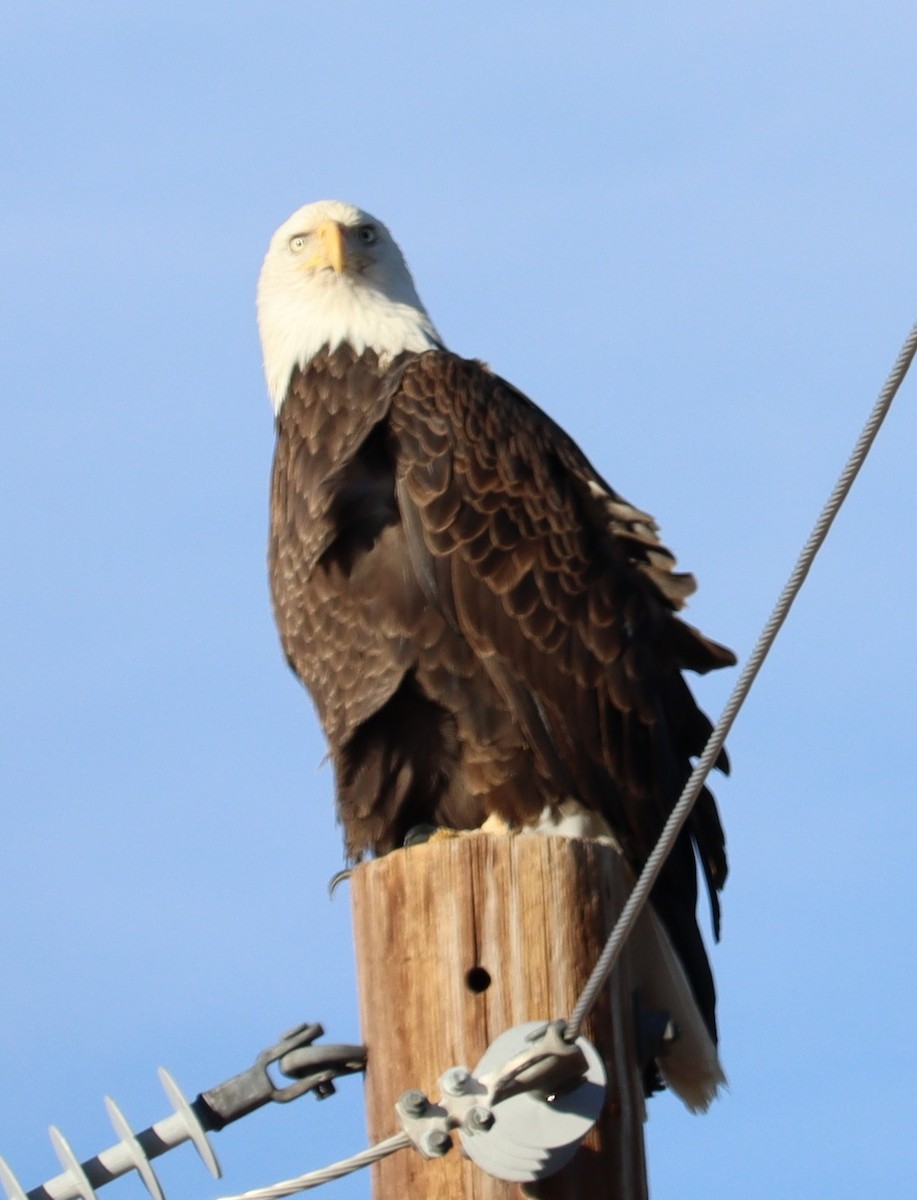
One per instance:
(463, 938)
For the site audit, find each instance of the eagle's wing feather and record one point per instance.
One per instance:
(562, 589)
(345, 617)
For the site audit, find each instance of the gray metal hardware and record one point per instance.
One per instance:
(524, 1110)
(306, 1067)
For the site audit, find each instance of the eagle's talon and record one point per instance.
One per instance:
(336, 880)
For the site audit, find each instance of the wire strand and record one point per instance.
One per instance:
(346, 1166)
(680, 813)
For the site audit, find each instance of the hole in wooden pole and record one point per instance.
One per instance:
(478, 980)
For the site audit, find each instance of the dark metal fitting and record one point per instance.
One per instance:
(310, 1067)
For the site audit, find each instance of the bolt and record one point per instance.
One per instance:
(414, 1103)
(455, 1081)
(436, 1143)
(479, 1119)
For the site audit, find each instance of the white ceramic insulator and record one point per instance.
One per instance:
(129, 1143)
(186, 1118)
(71, 1164)
(11, 1184)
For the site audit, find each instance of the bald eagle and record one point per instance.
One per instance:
(486, 627)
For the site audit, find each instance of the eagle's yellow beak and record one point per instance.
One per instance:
(332, 252)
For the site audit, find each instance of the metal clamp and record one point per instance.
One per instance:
(524, 1110)
(311, 1068)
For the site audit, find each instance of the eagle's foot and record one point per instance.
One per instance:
(438, 833)
(418, 834)
(496, 824)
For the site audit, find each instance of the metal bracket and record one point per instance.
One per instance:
(522, 1113)
(311, 1068)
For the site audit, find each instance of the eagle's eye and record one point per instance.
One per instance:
(368, 235)
(297, 243)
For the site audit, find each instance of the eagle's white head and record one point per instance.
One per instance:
(334, 274)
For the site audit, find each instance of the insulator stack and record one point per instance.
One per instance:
(79, 1180)
(308, 1068)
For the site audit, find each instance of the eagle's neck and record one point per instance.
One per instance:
(331, 312)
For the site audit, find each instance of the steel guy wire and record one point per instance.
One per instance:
(680, 813)
(346, 1166)
(640, 894)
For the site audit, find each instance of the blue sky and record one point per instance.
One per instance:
(685, 230)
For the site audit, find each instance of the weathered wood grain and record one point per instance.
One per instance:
(533, 913)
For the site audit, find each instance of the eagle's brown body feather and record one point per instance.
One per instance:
(484, 625)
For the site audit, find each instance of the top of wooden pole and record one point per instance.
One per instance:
(463, 938)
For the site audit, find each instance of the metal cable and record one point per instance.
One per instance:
(638, 897)
(640, 894)
(302, 1183)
